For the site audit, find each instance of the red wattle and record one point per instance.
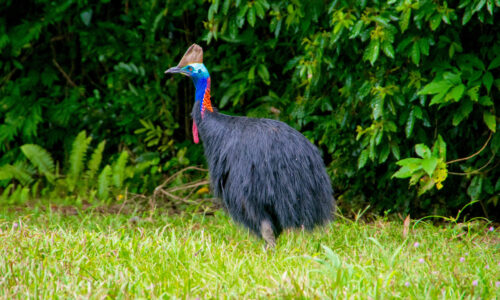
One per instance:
(195, 134)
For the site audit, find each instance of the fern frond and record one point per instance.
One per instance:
(6, 192)
(103, 183)
(41, 159)
(19, 195)
(77, 158)
(19, 171)
(5, 174)
(119, 169)
(95, 161)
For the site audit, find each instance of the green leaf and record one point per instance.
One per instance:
(213, 10)
(395, 151)
(4, 173)
(410, 123)
(19, 171)
(372, 51)
(439, 148)
(251, 16)
(462, 112)
(225, 7)
(473, 93)
(86, 17)
(455, 93)
(95, 161)
(378, 137)
(240, 17)
(415, 53)
(119, 169)
(490, 121)
(380, 20)
(372, 153)
(418, 112)
(356, 29)
(467, 15)
(103, 183)
(363, 158)
(41, 159)
(479, 5)
(364, 90)
(251, 73)
(388, 49)
(429, 165)
(264, 3)
(422, 150)
(384, 153)
(452, 78)
(495, 63)
(438, 98)
(377, 105)
(403, 172)
(424, 46)
(77, 158)
(435, 87)
(389, 126)
(411, 162)
(488, 81)
(259, 9)
(475, 187)
(263, 73)
(425, 186)
(485, 101)
(435, 21)
(489, 7)
(404, 20)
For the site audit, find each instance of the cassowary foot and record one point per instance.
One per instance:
(266, 230)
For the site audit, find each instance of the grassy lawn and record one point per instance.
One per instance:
(45, 254)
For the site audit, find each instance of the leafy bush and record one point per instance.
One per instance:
(397, 73)
(371, 83)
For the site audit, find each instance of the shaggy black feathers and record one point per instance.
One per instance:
(265, 171)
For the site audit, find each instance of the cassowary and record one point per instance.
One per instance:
(268, 175)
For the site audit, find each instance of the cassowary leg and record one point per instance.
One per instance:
(266, 230)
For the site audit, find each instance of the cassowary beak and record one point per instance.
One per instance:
(176, 70)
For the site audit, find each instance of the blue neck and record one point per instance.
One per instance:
(201, 79)
(201, 85)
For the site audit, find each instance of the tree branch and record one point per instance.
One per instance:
(471, 156)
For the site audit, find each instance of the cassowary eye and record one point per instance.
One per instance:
(190, 69)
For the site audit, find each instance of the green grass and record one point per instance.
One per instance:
(49, 255)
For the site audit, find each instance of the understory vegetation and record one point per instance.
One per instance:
(49, 252)
(400, 96)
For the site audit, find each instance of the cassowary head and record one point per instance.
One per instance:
(192, 66)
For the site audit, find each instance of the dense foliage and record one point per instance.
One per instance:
(374, 84)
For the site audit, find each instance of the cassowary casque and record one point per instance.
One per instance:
(268, 175)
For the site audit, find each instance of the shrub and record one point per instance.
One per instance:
(373, 84)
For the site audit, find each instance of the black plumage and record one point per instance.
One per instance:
(268, 175)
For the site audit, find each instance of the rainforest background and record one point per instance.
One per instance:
(401, 97)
